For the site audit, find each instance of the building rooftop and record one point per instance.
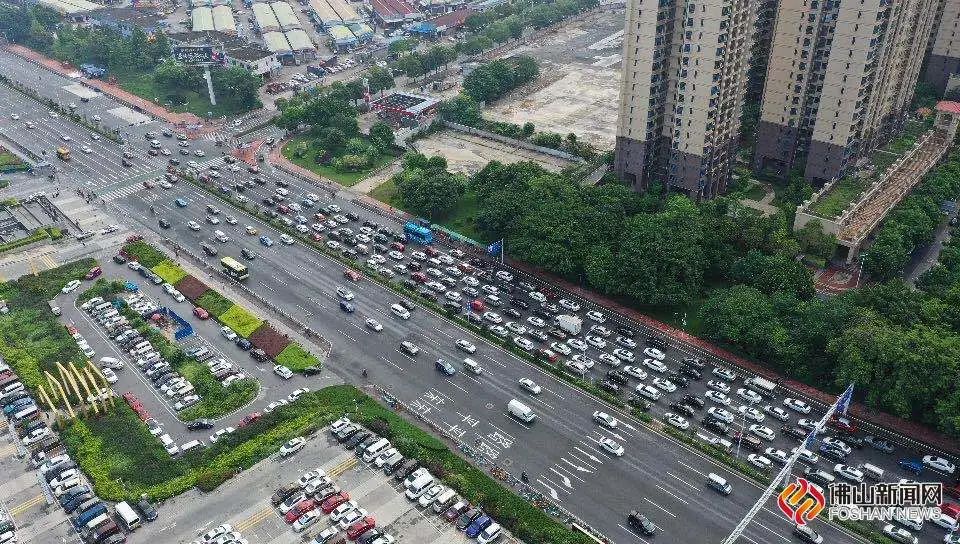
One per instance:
(409, 103)
(142, 18)
(70, 7)
(285, 16)
(223, 20)
(299, 40)
(266, 19)
(949, 107)
(276, 42)
(202, 19)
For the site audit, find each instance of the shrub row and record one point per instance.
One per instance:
(214, 302)
(169, 271)
(39, 234)
(240, 321)
(144, 253)
(296, 358)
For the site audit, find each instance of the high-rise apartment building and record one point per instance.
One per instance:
(684, 81)
(943, 62)
(840, 78)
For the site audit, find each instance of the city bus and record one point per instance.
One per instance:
(63, 153)
(234, 269)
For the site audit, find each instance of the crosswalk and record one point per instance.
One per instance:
(121, 192)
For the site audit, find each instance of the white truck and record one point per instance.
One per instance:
(761, 385)
(570, 324)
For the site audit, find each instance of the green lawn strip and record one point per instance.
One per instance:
(240, 321)
(169, 271)
(9, 159)
(296, 358)
(103, 288)
(214, 302)
(123, 460)
(308, 161)
(144, 253)
(142, 85)
(839, 197)
(215, 399)
(461, 220)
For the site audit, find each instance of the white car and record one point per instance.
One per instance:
(516, 328)
(649, 392)
(228, 333)
(596, 341)
(899, 534)
(584, 360)
(374, 325)
(776, 412)
(635, 371)
(561, 348)
(720, 414)
(677, 421)
(611, 446)
(718, 385)
(537, 296)
(577, 343)
(453, 296)
(493, 317)
(524, 343)
(193, 225)
(752, 414)
(600, 330)
(292, 446)
(654, 353)
(352, 517)
(569, 304)
(465, 345)
(530, 386)
(717, 397)
(836, 443)
(609, 359)
(283, 372)
(536, 322)
(594, 315)
(779, 456)
(14, 116)
(86, 149)
(748, 396)
(605, 420)
(431, 495)
(345, 293)
(470, 281)
(763, 432)
(664, 385)
(626, 342)
(759, 461)
(849, 473)
(655, 365)
(308, 476)
(35, 436)
(797, 405)
(725, 374)
(306, 520)
(217, 435)
(939, 464)
(806, 455)
(109, 375)
(807, 424)
(71, 286)
(297, 393)
(624, 355)
(339, 512)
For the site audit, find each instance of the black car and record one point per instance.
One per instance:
(691, 372)
(282, 183)
(244, 344)
(659, 342)
(639, 403)
(258, 355)
(407, 304)
(542, 312)
(409, 284)
(366, 442)
(311, 370)
(369, 536)
(200, 425)
(716, 426)
(352, 216)
(147, 509)
(879, 444)
(119, 259)
(520, 303)
(356, 439)
(75, 502)
(526, 286)
(164, 224)
(467, 518)
(72, 494)
(512, 312)
(693, 401)
(557, 333)
(683, 409)
(638, 522)
(617, 377)
(247, 254)
(258, 180)
(609, 386)
(793, 431)
(451, 306)
(833, 454)
(677, 379)
(539, 336)
(693, 362)
(854, 441)
(626, 331)
(414, 266)
(324, 493)
(346, 433)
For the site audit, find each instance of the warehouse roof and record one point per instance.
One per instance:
(341, 34)
(223, 19)
(202, 19)
(70, 7)
(285, 15)
(299, 41)
(266, 20)
(345, 11)
(276, 42)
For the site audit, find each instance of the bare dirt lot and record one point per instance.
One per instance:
(468, 154)
(579, 86)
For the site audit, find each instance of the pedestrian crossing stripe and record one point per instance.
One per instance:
(122, 192)
(48, 260)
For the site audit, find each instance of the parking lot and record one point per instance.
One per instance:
(185, 517)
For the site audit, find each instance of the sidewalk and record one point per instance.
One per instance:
(186, 121)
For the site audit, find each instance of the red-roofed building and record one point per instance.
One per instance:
(949, 107)
(394, 12)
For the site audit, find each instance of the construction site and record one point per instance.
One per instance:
(579, 85)
(468, 153)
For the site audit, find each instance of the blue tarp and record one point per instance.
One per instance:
(184, 328)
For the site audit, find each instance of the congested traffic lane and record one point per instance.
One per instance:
(559, 451)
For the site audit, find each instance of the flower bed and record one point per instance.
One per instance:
(240, 321)
(213, 302)
(144, 253)
(191, 287)
(269, 340)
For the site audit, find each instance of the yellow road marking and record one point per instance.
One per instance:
(49, 261)
(343, 467)
(256, 519)
(26, 505)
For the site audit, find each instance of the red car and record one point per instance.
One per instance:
(249, 419)
(419, 277)
(429, 250)
(334, 501)
(951, 509)
(352, 275)
(201, 313)
(354, 531)
(843, 424)
(317, 238)
(93, 273)
(283, 208)
(300, 509)
(397, 246)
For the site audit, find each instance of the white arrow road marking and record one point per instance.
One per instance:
(577, 467)
(553, 492)
(563, 478)
(587, 454)
(570, 473)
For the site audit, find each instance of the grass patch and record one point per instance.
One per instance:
(754, 192)
(309, 161)
(9, 159)
(240, 321)
(837, 199)
(142, 85)
(461, 220)
(296, 358)
(144, 253)
(169, 271)
(214, 302)
(215, 399)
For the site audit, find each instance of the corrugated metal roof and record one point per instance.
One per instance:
(266, 20)
(341, 34)
(285, 15)
(223, 19)
(202, 19)
(345, 11)
(71, 7)
(276, 42)
(299, 41)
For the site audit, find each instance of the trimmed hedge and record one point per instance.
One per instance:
(144, 253)
(296, 358)
(214, 302)
(191, 287)
(240, 321)
(169, 271)
(39, 234)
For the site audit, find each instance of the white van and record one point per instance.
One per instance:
(11, 388)
(649, 392)
(872, 471)
(417, 483)
(169, 445)
(140, 345)
(140, 352)
(490, 534)
(100, 308)
(220, 236)
(191, 445)
(472, 366)
(98, 520)
(400, 311)
(521, 411)
(26, 413)
(444, 500)
(375, 449)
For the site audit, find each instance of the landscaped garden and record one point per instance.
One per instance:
(347, 167)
